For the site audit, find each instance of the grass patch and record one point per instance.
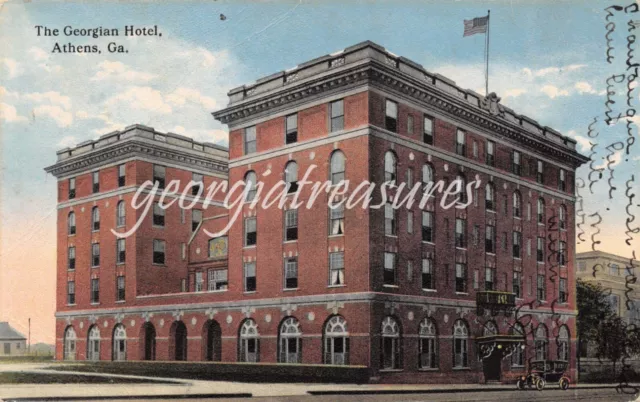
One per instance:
(242, 372)
(11, 377)
(25, 359)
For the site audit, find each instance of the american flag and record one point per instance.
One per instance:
(475, 26)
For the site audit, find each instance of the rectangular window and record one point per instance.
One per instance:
(517, 284)
(461, 146)
(582, 266)
(461, 229)
(540, 172)
(562, 253)
(427, 226)
(95, 290)
(198, 184)
(490, 158)
(410, 271)
(428, 281)
(250, 140)
(183, 285)
(72, 188)
(427, 134)
(250, 283)
(159, 175)
(389, 220)
(199, 285)
(515, 163)
(71, 292)
(337, 115)
(158, 252)
(409, 124)
(614, 269)
(562, 180)
(517, 243)
(291, 129)
(218, 279)
(336, 269)
(540, 249)
(409, 178)
(541, 288)
(158, 215)
(391, 116)
(476, 235)
(71, 254)
(389, 277)
(121, 253)
(336, 219)
(476, 280)
(96, 181)
(291, 273)
(120, 290)
(562, 296)
(490, 239)
(529, 211)
(196, 218)
(529, 247)
(409, 222)
(122, 177)
(489, 278)
(461, 278)
(250, 232)
(95, 255)
(291, 225)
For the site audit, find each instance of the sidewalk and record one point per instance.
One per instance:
(211, 389)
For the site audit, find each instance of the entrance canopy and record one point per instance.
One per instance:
(503, 345)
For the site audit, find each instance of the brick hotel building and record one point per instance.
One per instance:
(415, 295)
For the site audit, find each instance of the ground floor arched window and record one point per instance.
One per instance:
(249, 342)
(149, 341)
(563, 343)
(213, 341)
(428, 344)
(290, 345)
(336, 341)
(541, 342)
(179, 338)
(517, 357)
(69, 343)
(460, 344)
(390, 332)
(119, 343)
(93, 343)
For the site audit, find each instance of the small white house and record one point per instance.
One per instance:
(12, 342)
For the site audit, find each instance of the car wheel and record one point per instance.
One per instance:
(540, 384)
(564, 383)
(520, 384)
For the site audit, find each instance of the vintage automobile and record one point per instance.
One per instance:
(542, 372)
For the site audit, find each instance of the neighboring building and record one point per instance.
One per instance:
(12, 342)
(617, 275)
(406, 293)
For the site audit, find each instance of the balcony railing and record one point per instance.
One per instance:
(495, 302)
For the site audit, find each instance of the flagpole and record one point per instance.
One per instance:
(486, 90)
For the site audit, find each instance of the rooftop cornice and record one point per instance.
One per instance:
(486, 114)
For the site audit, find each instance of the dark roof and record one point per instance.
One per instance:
(6, 332)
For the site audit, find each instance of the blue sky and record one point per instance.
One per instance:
(547, 62)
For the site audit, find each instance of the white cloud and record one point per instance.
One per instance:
(553, 91)
(54, 98)
(120, 71)
(513, 93)
(59, 115)
(145, 98)
(583, 142)
(584, 88)
(181, 96)
(38, 54)
(9, 113)
(615, 159)
(68, 141)
(11, 66)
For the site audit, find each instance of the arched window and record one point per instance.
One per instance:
(490, 329)
(119, 351)
(69, 343)
(460, 344)
(337, 166)
(95, 219)
(562, 216)
(336, 341)
(149, 333)
(251, 181)
(290, 341)
(427, 174)
(489, 197)
(93, 344)
(390, 166)
(540, 210)
(541, 342)
(120, 214)
(178, 339)
(428, 344)
(517, 357)
(563, 343)
(212, 335)
(71, 223)
(291, 176)
(390, 331)
(517, 204)
(249, 345)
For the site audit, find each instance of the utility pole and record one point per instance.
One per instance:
(29, 347)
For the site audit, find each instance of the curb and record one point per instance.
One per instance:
(449, 390)
(131, 397)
